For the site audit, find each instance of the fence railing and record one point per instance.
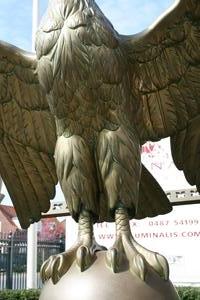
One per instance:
(13, 258)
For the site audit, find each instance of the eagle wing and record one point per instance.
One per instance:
(164, 63)
(27, 136)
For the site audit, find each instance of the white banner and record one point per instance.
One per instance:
(175, 235)
(158, 160)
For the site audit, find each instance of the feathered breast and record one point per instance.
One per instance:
(83, 70)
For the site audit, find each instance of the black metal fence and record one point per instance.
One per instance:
(13, 258)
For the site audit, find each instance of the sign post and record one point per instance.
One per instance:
(35, 22)
(32, 230)
(1, 195)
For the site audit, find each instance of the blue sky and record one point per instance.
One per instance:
(127, 16)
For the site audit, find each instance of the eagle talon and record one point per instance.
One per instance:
(139, 258)
(83, 258)
(113, 260)
(138, 267)
(163, 266)
(83, 252)
(56, 266)
(157, 261)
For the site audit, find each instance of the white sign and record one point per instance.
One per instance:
(158, 160)
(175, 235)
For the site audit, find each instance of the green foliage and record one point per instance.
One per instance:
(19, 295)
(189, 293)
(185, 293)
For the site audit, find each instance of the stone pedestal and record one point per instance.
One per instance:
(99, 283)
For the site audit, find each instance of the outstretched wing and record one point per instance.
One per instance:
(27, 136)
(165, 68)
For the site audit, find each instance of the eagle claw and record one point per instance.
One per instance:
(139, 258)
(83, 258)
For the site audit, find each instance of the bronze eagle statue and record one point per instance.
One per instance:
(78, 112)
